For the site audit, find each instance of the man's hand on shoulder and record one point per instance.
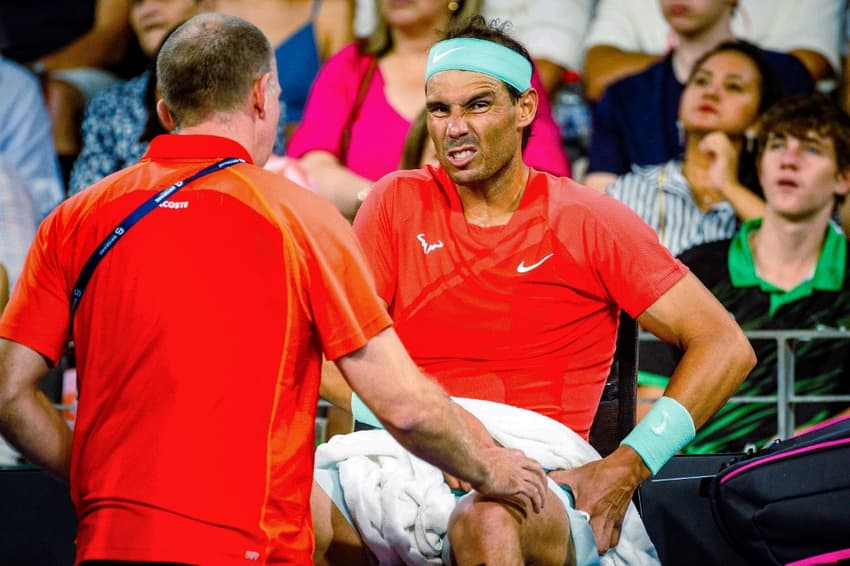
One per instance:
(603, 489)
(513, 477)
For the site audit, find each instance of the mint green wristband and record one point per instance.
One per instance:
(362, 413)
(665, 430)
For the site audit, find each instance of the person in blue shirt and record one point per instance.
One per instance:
(26, 142)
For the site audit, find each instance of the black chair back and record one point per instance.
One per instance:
(615, 417)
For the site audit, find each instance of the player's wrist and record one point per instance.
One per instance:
(665, 430)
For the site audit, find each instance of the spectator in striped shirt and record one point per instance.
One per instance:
(704, 196)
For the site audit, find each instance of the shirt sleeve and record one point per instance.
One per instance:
(631, 263)
(341, 287)
(38, 313)
(329, 104)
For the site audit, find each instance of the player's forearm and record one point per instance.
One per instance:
(710, 371)
(434, 429)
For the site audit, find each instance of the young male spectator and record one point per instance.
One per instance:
(626, 36)
(635, 122)
(193, 440)
(786, 271)
(116, 117)
(506, 284)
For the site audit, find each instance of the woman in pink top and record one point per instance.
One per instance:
(366, 96)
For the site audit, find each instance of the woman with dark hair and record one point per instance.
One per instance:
(703, 196)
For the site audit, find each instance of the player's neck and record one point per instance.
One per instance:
(494, 202)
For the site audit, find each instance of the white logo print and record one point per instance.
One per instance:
(522, 268)
(426, 247)
(438, 56)
(662, 426)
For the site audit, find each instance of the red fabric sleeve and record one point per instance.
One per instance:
(41, 294)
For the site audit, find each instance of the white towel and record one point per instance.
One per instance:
(401, 505)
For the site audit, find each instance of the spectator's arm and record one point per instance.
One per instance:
(101, 46)
(334, 26)
(605, 64)
(817, 65)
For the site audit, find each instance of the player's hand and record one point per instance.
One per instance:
(514, 477)
(603, 489)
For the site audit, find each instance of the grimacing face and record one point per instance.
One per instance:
(722, 95)
(474, 125)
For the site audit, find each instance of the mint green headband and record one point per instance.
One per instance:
(480, 56)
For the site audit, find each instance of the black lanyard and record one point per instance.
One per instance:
(130, 221)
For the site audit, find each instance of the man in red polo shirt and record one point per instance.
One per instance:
(201, 292)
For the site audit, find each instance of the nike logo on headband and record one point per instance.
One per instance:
(439, 56)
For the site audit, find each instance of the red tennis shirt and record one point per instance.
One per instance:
(526, 313)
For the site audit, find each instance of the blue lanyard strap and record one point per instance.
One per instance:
(130, 221)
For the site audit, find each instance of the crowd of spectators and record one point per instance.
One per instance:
(645, 82)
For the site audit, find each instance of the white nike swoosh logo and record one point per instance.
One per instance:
(439, 56)
(660, 427)
(522, 268)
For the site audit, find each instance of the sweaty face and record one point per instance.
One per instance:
(474, 124)
(722, 95)
(799, 175)
(693, 17)
(151, 20)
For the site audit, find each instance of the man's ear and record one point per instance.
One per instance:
(259, 93)
(164, 115)
(527, 107)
